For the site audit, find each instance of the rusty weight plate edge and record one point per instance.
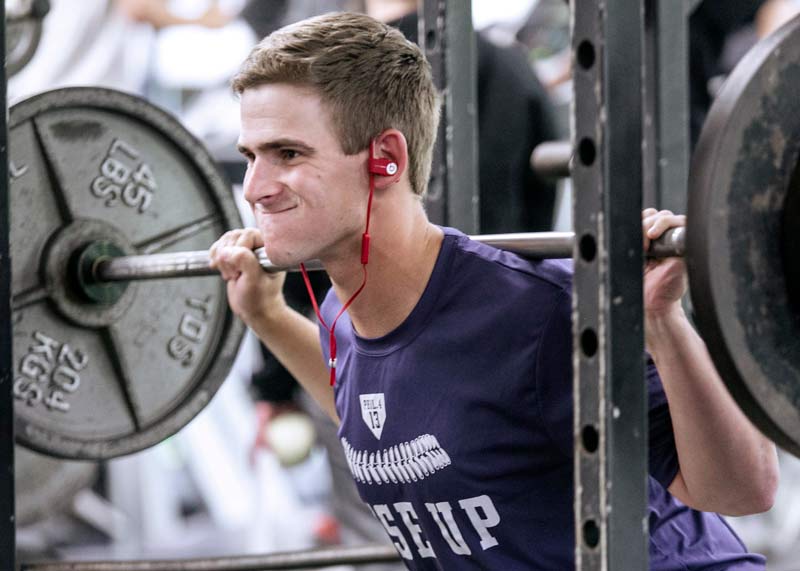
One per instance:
(702, 261)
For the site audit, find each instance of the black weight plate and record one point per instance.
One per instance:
(740, 177)
(98, 380)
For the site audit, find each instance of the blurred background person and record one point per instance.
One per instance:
(96, 45)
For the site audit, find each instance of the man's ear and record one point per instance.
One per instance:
(390, 158)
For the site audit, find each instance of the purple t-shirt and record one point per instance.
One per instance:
(457, 425)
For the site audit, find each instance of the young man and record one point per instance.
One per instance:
(452, 360)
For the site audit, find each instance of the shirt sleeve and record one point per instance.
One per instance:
(663, 455)
(554, 391)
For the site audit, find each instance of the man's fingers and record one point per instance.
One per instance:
(227, 268)
(227, 239)
(650, 215)
(655, 223)
(662, 223)
(233, 261)
(244, 259)
(247, 238)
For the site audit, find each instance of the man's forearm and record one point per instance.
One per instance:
(726, 465)
(294, 340)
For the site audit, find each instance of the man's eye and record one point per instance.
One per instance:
(289, 154)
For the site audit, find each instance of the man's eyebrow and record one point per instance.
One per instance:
(278, 144)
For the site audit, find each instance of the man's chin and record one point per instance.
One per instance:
(282, 249)
(281, 258)
(280, 261)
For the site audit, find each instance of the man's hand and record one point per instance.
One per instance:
(665, 279)
(257, 297)
(252, 292)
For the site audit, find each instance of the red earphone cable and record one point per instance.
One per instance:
(364, 262)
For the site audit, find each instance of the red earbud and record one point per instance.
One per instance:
(383, 167)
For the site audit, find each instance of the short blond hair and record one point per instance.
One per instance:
(368, 75)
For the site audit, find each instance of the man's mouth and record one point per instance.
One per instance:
(272, 209)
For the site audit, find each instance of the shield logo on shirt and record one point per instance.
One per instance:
(373, 411)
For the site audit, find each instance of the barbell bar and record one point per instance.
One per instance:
(552, 159)
(307, 559)
(197, 263)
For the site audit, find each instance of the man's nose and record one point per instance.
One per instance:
(259, 181)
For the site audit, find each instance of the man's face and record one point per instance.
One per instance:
(309, 198)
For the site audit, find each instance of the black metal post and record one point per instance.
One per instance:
(610, 422)
(666, 106)
(7, 525)
(447, 38)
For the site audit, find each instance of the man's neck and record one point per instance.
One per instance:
(402, 256)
